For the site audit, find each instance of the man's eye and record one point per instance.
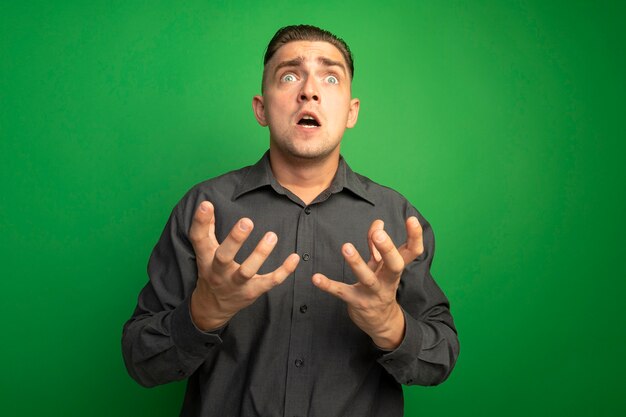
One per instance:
(331, 79)
(288, 78)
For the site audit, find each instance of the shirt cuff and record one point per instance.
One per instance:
(187, 337)
(399, 361)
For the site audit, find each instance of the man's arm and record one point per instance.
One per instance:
(195, 288)
(412, 324)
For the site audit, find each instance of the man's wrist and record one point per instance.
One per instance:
(204, 314)
(392, 334)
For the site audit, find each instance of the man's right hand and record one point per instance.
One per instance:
(224, 287)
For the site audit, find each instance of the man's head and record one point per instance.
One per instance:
(306, 33)
(307, 100)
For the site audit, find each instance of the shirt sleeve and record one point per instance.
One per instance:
(430, 347)
(160, 343)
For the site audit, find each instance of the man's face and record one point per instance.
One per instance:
(306, 101)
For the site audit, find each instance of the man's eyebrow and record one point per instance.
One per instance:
(331, 63)
(296, 62)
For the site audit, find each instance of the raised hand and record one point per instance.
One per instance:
(372, 304)
(224, 287)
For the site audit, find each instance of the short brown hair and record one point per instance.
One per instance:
(294, 33)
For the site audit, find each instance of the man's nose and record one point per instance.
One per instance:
(309, 90)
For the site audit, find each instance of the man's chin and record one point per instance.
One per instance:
(310, 155)
(305, 152)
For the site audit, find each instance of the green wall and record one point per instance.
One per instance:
(503, 122)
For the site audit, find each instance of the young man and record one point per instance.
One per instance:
(258, 293)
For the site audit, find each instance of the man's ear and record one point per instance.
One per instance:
(353, 113)
(259, 110)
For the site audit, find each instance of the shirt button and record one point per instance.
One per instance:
(303, 308)
(307, 210)
(306, 256)
(299, 363)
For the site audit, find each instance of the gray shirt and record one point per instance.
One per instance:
(294, 351)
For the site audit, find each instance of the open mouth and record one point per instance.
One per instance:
(309, 121)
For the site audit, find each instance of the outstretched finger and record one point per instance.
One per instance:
(340, 290)
(414, 245)
(225, 253)
(362, 271)
(202, 230)
(253, 263)
(375, 257)
(280, 274)
(393, 263)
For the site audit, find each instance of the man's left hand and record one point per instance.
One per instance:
(372, 304)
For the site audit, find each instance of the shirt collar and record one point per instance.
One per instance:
(261, 175)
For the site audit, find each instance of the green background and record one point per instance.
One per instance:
(502, 121)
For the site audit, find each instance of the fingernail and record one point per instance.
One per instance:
(348, 250)
(414, 221)
(203, 207)
(270, 237)
(244, 225)
(379, 236)
(316, 280)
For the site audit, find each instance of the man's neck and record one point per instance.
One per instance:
(306, 178)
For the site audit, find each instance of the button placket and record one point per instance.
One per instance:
(298, 388)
